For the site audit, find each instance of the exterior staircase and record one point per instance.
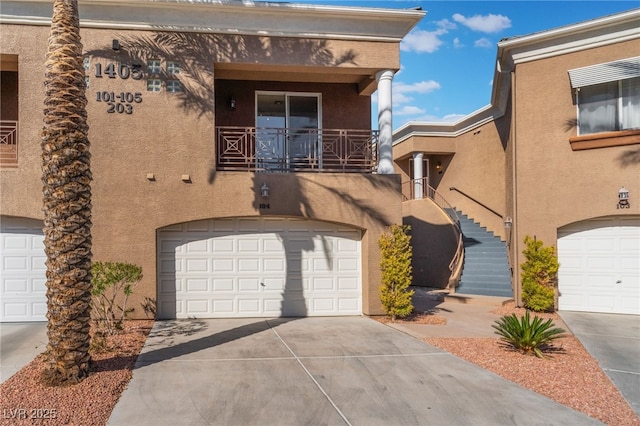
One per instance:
(486, 268)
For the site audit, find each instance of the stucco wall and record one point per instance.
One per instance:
(556, 186)
(167, 136)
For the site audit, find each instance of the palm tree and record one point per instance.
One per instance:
(66, 176)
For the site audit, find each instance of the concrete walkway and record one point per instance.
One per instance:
(316, 371)
(20, 343)
(614, 341)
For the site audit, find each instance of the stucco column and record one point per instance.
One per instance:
(385, 161)
(418, 176)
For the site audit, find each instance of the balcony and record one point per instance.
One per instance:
(285, 150)
(8, 143)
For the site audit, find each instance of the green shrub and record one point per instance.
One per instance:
(395, 249)
(530, 337)
(112, 284)
(539, 275)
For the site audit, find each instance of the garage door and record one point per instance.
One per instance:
(266, 267)
(600, 266)
(22, 259)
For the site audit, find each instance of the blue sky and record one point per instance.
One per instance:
(449, 58)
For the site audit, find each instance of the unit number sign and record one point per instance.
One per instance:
(123, 102)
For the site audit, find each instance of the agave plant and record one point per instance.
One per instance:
(528, 336)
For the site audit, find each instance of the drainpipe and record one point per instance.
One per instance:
(385, 163)
(515, 238)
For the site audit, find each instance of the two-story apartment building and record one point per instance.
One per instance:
(556, 155)
(233, 156)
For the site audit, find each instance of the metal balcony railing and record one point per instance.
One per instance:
(296, 150)
(8, 143)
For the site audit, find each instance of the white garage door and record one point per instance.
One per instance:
(22, 259)
(600, 266)
(266, 267)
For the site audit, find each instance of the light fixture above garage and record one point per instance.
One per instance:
(264, 190)
(623, 198)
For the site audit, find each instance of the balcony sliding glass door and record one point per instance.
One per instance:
(287, 127)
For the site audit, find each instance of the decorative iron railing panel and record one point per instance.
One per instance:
(296, 150)
(8, 143)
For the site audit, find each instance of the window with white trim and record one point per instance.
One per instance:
(607, 96)
(609, 106)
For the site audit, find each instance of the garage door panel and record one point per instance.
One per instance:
(266, 266)
(22, 270)
(600, 265)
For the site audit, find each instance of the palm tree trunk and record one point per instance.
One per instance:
(66, 176)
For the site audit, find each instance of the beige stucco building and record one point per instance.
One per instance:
(232, 153)
(233, 158)
(554, 155)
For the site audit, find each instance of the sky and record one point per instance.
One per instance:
(448, 59)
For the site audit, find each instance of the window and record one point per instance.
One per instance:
(607, 97)
(154, 85)
(173, 68)
(153, 66)
(610, 106)
(174, 86)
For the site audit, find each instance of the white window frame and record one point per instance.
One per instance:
(619, 108)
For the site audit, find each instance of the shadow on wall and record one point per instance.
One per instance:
(434, 245)
(198, 54)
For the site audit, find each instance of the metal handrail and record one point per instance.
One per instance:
(420, 189)
(453, 188)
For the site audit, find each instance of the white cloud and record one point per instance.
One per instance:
(419, 87)
(483, 42)
(457, 43)
(422, 41)
(408, 110)
(484, 23)
(446, 24)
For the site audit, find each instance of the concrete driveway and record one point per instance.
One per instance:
(316, 371)
(614, 341)
(20, 343)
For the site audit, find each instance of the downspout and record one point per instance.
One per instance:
(515, 256)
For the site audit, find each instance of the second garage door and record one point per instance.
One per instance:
(600, 266)
(265, 267)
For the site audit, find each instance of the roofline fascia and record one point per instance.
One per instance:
(277, 19)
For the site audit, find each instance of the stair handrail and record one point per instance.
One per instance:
(453, 188)
(427, 191)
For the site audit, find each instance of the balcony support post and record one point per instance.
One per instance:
(418, 176)
(385, 162)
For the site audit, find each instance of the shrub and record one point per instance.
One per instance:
(539, 275)
(112, 284)
(530, 337)
(395, 249)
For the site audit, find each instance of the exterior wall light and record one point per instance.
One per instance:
(508, 222)
(264, 190)
(115, 44)
(232, 104)
(439, 167)
(623, 198)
